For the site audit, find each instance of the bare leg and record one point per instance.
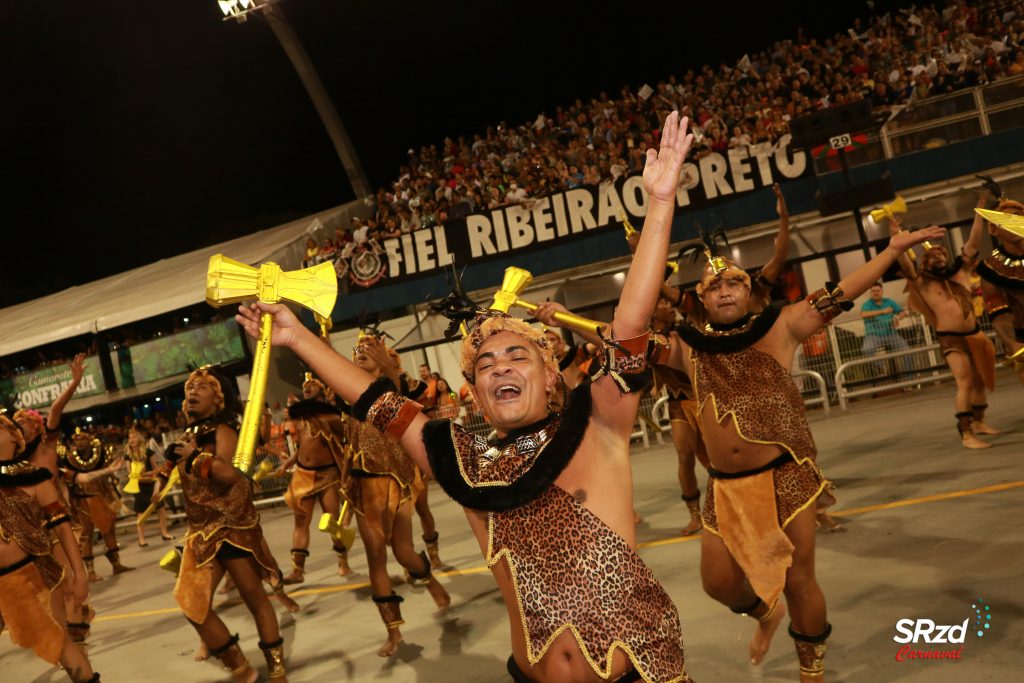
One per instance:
(161, 515)
(960, 365)
(423, 512)
(979, 404)
(685, 441)
(417, 566)
(724, 581)
(140, 532)
(246, 574)
(87, 546)
(300, 540)
(803, 594)
(380, 582)
(72, 658)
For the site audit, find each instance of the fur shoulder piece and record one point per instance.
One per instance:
(310, 407)
(496, 478)
(22, 474)
(731, 340)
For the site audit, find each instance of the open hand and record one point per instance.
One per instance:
(661, 174)
(375, 349)
(780, 201)
(78, 367)
(286, 327)
(904, 240)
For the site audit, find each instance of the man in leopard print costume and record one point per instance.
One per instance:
(759, 511)
(551, 501)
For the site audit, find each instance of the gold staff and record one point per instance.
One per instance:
(229, 282)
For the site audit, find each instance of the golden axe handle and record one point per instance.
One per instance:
(252, 418)
(570, 320)
(171, 481)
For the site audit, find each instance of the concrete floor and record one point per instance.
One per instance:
(910, 550)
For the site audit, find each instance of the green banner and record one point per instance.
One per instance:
(40, 388)
(215, 344)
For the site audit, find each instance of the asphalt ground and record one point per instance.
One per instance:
(932, 532)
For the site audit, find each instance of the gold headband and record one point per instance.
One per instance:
(721, 268)
(494, 322)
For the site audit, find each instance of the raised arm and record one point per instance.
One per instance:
(77, 372)
(804, 319)
(347, 379)
(771, 270)
(646, 272)
(973, 243)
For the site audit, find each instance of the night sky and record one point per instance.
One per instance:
(138, 130)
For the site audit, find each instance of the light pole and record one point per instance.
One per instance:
(240, 10)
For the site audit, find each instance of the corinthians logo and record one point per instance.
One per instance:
(950, 638)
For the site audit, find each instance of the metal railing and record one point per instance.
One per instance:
(940, 120)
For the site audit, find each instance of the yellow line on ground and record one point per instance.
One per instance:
(648, 544)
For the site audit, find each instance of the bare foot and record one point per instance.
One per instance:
(295, 577)
(636, 517)
(823, 519)
(343, 568)
(94, 577)
(762, 639)
(228, 586)
(203, 653)
(974, 443)
(985, 429)
(440, 595)
(286, 601)
(247, 675)
(390, 645)
(121, 569)
(695, 525)
(807, 678)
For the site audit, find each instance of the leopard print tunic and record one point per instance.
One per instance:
(216, 517)
(23, 522)
(736, 384)
(571, 572)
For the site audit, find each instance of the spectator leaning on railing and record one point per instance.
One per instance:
(880, 315)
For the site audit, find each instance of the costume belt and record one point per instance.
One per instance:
(774, 464)
(363, 474)
(318, 468)
(976, 330)
(28, 559)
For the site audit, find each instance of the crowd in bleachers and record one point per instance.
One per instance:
(893, 60)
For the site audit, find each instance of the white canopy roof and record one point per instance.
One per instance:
(144, 292)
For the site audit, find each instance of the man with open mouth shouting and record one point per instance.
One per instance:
(551, 502)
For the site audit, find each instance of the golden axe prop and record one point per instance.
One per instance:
(336, 527)
(889, 210)
(516, 280)
(230, 282)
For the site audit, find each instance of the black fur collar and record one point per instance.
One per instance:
(730, 341)
(444, 460)
(13, 475)
(310, 407)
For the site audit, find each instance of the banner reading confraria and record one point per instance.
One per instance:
(570, 215)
